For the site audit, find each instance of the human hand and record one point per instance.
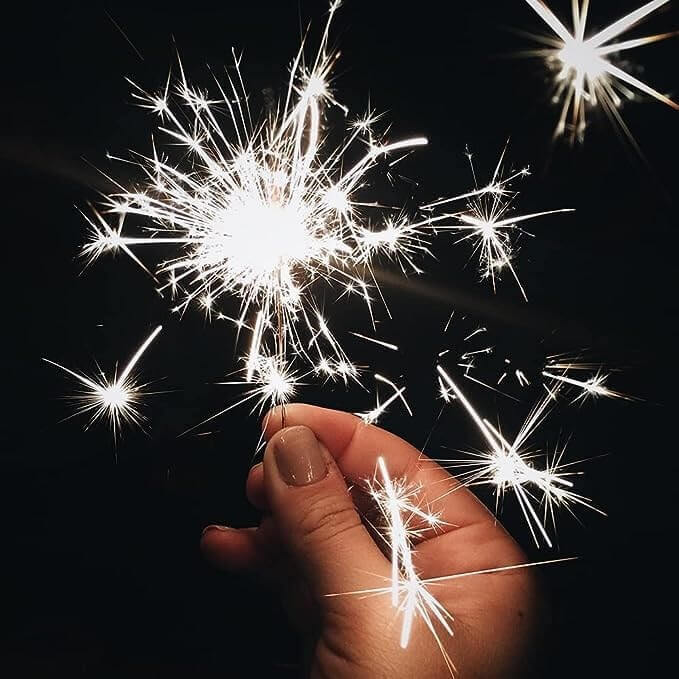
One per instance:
(311, 542)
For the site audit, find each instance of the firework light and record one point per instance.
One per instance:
(262, 211)
(487, 224)
(585, 74)
(117, 400)
(506, 465)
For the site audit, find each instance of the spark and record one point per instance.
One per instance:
(487, 224)
(472, 347)
(264, 213)
(386, 345)
(585, 75)
(117, 400)
(372, 416)
(506, 465)
(594, 386)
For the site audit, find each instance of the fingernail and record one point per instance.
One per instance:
(299, 457)
(207, 529)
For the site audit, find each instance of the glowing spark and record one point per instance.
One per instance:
(262, 213)
(372, 416)
(594, 386)
(486, 223)
(585, 75)
(510, 466)
(117, 400)
(386, 345)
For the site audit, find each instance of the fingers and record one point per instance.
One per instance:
(236, 549)
(356, 446)
(316, 518)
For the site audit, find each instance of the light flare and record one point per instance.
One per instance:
(118, 399)
(585, 75)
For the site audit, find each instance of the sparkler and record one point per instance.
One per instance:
(262, 212)
(487, 224)
(585, 73)
(508, 465)
(117, 399)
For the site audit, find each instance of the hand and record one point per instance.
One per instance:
(311, 542)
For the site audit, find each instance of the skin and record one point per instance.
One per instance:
(311, 542)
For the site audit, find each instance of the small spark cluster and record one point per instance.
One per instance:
(510, 465)
(487, 222)
(116, 400)
(585, 73)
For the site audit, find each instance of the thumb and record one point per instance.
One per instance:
(316, 517)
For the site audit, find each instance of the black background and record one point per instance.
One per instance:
(101, 544)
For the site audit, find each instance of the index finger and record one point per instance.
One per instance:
(356, 446)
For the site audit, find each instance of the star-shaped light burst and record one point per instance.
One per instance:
(585, 73)
(117, 400)
(508, 465)
(263, 211)
(487, 222)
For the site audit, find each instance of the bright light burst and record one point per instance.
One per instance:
(117, 400)
(585, 73)
(487, 222)
(262, 211)
(508, 465)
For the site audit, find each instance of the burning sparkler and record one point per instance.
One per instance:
(116, 400)
(585, 73)
(508, 465)
(263, 211)
(487, 224)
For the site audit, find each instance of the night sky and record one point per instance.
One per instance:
(101, 541)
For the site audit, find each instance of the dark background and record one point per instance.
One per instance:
(101, 542)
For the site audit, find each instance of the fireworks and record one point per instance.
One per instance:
(585, 75)
(262, 212)
(117, 400)
(508, 465)
(487, 224)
